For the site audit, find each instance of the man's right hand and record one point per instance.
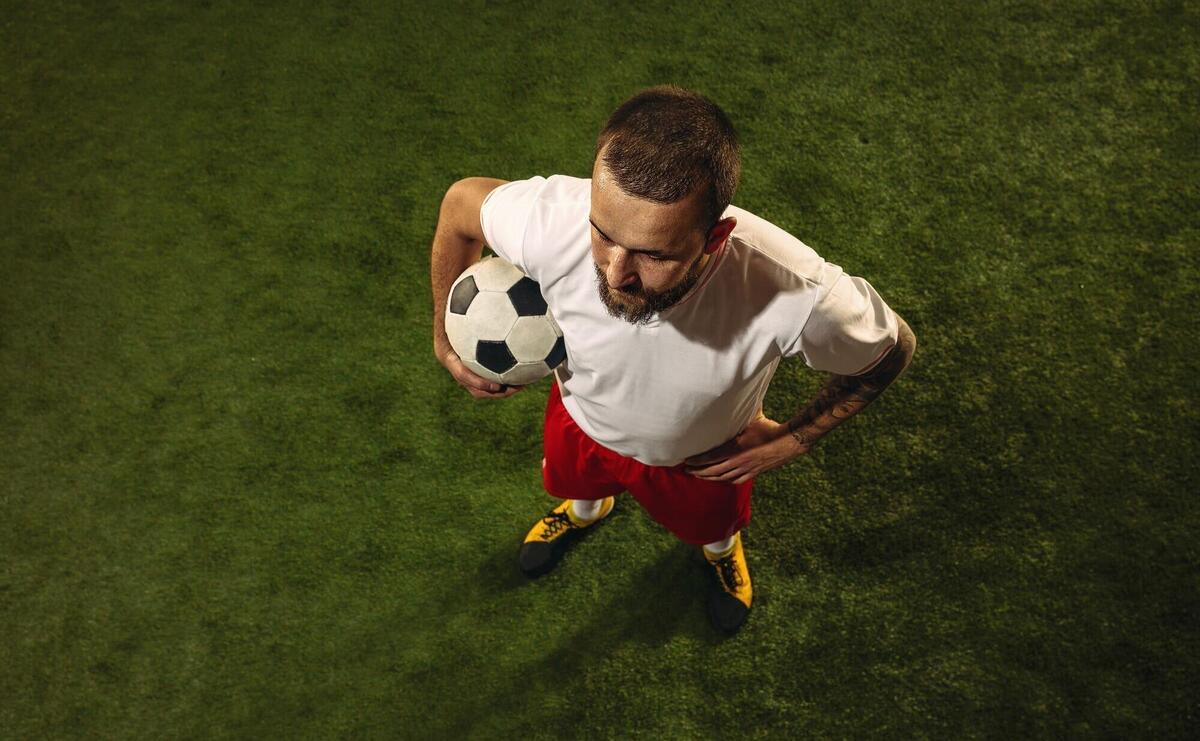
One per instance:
(476, 385)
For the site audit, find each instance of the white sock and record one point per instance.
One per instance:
(720, 547)
(586, 509)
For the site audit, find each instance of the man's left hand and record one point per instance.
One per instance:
(763, 445)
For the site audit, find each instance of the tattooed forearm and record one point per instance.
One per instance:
(841, 398)
(844, 396)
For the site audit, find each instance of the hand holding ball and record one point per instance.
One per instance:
(500, 326)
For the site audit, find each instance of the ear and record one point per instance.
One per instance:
(719, 233)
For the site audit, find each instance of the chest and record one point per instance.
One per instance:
(703, 351)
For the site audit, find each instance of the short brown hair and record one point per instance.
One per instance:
(665, 141)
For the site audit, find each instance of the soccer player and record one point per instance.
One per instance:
(676, 308)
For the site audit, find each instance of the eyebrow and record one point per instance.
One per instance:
(631, 249)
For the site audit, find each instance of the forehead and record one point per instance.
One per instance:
(636, 222)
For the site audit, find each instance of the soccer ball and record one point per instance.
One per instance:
(498, 323)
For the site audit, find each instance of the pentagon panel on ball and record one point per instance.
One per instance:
(500, 326)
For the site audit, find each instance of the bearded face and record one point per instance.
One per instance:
(636, 304)
(647, 254)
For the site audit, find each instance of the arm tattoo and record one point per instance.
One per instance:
(845, 396)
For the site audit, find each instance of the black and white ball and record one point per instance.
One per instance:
(500, 326)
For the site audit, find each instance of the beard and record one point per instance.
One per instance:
(637, 305)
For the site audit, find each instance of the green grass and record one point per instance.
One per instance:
(239, 498)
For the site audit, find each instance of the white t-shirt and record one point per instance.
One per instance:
(696, 375)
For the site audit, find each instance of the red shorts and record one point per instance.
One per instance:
(695, 510)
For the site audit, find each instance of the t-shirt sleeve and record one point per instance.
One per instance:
(849, 330)
(504, 216)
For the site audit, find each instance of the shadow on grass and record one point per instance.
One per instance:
(645, 609)
(498, 572)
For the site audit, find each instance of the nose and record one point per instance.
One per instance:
(620, 271)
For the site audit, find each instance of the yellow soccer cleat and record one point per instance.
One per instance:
(546, 542)
(729, 601)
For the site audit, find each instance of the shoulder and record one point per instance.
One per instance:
(567, 190)
(773, 251)
(546, 190)
(547, 226)
(538, 190)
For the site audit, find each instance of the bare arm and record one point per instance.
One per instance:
(766, 444)
(458, 244)
(842, 397)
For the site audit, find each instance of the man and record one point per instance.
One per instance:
(676, 308)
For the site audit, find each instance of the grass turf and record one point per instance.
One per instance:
(240, 498)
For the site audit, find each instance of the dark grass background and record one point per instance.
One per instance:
(239, 498)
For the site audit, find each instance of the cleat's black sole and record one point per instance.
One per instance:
(726, 612)
(536, 559)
